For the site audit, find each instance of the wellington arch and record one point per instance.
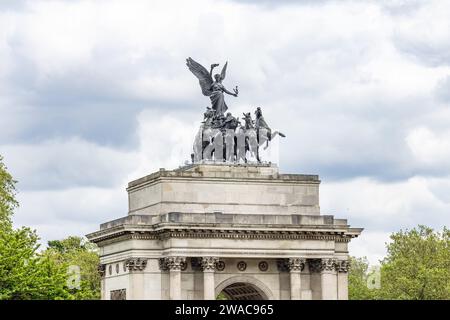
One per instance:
(229, 225)
(206, 227)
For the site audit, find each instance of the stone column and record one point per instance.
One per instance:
(174, 265)
(328, 277)
(295, 266)
(208, 266)
(102, 270)
(342, 268)
(135, 266)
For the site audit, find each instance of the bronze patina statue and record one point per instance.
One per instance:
(222, 137)
(213, 89)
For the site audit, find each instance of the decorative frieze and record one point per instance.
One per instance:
(296, 264)
(181, 232)
(209, 263)
(135, 264)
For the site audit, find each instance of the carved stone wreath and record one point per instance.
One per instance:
(220, 265)
(242, 265)
(263, 266)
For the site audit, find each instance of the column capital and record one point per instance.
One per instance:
(172, 263)
(320, 265)
(209, 263)
(135, 264)
(296, 264)
(101, 268)
(342, 265)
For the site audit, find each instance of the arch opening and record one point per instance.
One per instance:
(241, 291)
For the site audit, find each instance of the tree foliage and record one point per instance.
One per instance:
(358, 277)
(77, 251)
(8, 200)
(417, 265)
(26, 273)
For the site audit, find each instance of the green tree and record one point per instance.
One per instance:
(357, 280)
(417, 265)
(8, 200)
(77, 251)
(24, 273)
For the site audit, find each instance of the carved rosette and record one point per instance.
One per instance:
(320, 265)
(342, 266)
(135, 264)
(209, 263)
(296, 264)
(101, 270)
(220, 265)
(175, 263)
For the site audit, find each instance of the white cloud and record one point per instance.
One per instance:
(429, 147)
(370, 244)
(56, 214)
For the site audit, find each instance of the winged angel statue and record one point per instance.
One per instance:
(214, 89)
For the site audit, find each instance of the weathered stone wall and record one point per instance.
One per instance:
(225, 188)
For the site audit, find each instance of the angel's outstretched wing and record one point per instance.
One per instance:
(204, 78)
(224, 71)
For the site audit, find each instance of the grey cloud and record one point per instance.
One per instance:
(443, 90)
(425, 53)
(61, 164)
(400, 7)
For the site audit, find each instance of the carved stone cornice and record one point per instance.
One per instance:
(343, 265)
(101, 269)
(135, 264)
(209, 263)
(174, 263)
(222, 233)
(296, 264)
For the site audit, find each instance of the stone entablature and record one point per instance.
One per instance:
(218, 217)
(194, 231)
(236, 226)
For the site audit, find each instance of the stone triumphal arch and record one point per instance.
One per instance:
(233, 231)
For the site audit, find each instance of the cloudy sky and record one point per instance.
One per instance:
(96, 93)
